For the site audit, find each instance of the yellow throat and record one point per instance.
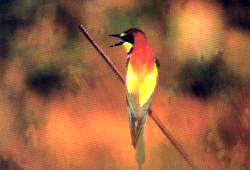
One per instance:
(127, 46)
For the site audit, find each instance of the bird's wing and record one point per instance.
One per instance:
(147, 86)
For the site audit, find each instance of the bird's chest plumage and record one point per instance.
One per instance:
(142, 60)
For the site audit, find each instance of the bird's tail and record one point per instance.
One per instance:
(137, 135)
(139, 150)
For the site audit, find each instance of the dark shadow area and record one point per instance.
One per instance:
(8, 164)
(237, 13)
(46, 80)
(232, 134)
(229, 130)
(205, 79)
(68, 21)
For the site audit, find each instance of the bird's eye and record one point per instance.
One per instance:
(128, 38)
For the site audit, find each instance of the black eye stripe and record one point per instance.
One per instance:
(128, 38)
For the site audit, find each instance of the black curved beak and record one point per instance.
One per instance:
(117, 36)
(117, 44)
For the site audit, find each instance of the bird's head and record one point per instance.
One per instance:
(128, 38)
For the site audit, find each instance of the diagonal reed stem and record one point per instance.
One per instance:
(154, 117)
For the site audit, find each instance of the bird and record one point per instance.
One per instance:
(141, 81)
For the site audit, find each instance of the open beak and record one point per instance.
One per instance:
(117, 36)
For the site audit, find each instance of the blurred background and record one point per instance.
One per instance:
(62, 108)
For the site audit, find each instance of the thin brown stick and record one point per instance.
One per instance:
(154, 117)
(170, 137)
(101, 52)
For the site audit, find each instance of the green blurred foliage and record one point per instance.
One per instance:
(15, 14)
(128, 18)
(119, 19)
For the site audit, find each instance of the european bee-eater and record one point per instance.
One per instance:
(141, 80)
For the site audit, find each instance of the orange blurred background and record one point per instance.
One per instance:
(62, 108)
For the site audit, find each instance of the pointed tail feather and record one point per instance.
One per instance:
(138, 140)
(136, 129)
(139, 128)
(131, 121)
(140, 151)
